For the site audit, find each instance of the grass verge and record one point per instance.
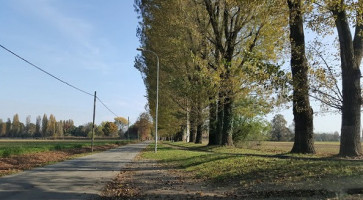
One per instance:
(261, 168)
(16, 147)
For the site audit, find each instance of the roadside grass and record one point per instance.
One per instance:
(14, 147)
(267, 163)
(19, 155)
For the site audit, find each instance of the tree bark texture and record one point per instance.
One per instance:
(199, 125)
(303, 113)
(227, 123)
(220, 117)
(226, 27)
(193, 131)
(199, 136)
(212, 122)
(351, 56)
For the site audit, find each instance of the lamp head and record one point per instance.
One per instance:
(140, 49)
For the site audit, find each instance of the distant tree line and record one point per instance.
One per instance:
(280, 132)
(49, 127)
(327, 137)
(43, 127)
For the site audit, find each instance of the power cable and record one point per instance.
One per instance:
(53, 76)
(106, 106)
(25, 60)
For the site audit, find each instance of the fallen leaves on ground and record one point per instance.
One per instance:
(18, 163)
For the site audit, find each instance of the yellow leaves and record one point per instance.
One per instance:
(121, 120)
(320, 74)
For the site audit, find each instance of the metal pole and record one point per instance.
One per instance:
(157, 103)
(93, 123)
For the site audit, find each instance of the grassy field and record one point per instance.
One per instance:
(19, 147)
(263, 165)
(322, 148)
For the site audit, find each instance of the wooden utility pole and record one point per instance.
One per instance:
(93, 123)
(128, 130)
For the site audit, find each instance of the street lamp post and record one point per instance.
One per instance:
(157, 95)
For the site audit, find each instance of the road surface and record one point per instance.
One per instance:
(81, 178)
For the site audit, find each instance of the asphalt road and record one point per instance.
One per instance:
(81, 178)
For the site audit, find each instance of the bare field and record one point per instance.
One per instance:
(322, 148)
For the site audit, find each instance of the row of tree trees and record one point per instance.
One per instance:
(280, 132)
(43, 127)
(46, 127)
(142, 128)
(221, 66)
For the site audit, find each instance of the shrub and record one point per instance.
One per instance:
(249, 131)
(58, 147)
(12, 151)
(78, 146)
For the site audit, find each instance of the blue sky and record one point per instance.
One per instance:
(90, 44)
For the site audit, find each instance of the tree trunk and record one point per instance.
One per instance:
(193, 131)
(212, 122)
(199, 137)
(187, 128)
(227, 132)
(227, 123)
(303, 113)
(350, 53)
(199, 125)
(220, 116)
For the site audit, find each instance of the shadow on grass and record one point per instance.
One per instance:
(209, 149)
(269, 170)
(318, 193)
(257, 168)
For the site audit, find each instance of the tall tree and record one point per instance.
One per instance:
(59, 129)
(144, 126)
(27, 125)
(52, 126)
(303, 113)
(68, 126)
(345, 16)
(279, 131)
(2, 128)
(16, 126)
(44, 125)
(110, 129)
(121, 123)
(38, 127)
(242, 32)
(208, 51)
(166, 30)
(226, 23)
(8, 128)
(351, 53)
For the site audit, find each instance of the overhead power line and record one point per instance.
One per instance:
(39, 68)
(55, 77)
(106, 106)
